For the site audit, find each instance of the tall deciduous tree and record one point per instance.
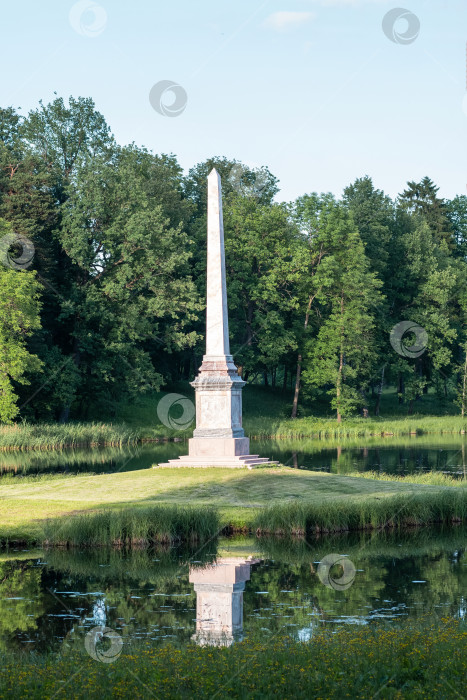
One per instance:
(264, 262)
(340, 357)
(19, 316)
(310, 214)
(129, 290)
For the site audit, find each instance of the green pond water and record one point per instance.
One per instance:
(393, 455)
(228, 590)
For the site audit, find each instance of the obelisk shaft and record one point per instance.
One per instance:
(218, 439)
(217, 324)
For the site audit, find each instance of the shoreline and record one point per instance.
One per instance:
(318, 504)
(323, 435)
(226, 532)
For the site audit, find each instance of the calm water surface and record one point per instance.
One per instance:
(393, 455)
(231, 590)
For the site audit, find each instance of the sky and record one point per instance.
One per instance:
(320, 91)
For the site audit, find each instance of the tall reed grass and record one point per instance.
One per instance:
(133, 526)
(432, 478)
(55, 436)
(324, 429)
(407, 510)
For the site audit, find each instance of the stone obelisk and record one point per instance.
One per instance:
(218, 439)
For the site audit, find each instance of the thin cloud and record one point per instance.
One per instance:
(287, 20)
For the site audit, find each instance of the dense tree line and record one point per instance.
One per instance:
(112, 304)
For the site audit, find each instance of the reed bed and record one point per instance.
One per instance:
(57, 436)
(315, 445)
(432, 478)
(408, 510)
(325, 429)
(259, 425)
(133, 527)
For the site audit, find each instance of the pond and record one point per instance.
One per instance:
(229, 590)
(392, 455)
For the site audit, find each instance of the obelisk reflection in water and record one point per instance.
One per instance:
(219, 600)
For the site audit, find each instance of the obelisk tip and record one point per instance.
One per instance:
(214, 175)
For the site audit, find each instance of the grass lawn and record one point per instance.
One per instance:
(238, 495)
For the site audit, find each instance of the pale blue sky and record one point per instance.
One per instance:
(311, 88)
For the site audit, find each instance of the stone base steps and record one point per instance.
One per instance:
(242, 461)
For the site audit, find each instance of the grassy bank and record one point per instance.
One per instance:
(408, 510)
(270, 500)
(432, 478)
(56, 436)
(266, 414)
(411, 661)
(322, 429)
(163, 562)
(129, 527)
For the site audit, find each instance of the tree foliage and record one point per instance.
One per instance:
(113, 303)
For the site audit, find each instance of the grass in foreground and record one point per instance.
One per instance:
(270, 500)
(411, 661)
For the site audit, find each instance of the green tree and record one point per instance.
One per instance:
(340, 357)
(457, 214)
(309, 213)
(19, 316)
(427, 281)
(263, 264)
(129, 289)
(422, 198)
(374, 215)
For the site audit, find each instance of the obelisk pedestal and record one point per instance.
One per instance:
(218, 439)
